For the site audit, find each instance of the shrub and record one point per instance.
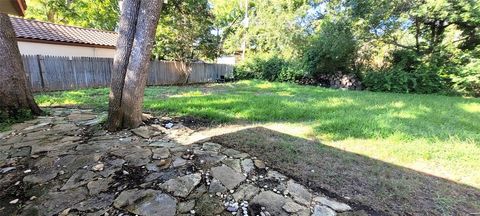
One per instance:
(263, 67)
(423, 81)
(409, 74)
(387, 81)
(467, 80)
(332, 50)
(292, 72)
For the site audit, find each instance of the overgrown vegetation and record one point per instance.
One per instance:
(393, 46)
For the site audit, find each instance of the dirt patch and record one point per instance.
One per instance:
(194, 123)
(366, 184)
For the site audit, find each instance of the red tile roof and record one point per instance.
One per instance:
(37, 30)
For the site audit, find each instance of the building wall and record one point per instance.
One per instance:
(226, 60)
(32, 48)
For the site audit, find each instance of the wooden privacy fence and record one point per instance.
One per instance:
(54, 73)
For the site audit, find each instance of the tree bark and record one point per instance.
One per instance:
(138, 24)
(15, 89)
(136, 76)
(128, 21)
(417, 35)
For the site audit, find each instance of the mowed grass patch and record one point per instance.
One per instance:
(432, 134)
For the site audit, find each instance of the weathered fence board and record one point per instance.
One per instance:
(54, 73)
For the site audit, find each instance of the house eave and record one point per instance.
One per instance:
(64, 43)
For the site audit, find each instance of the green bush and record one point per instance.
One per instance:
(408, 74)
(332, 50)
(265, 68)
(292, 72)
(243, 72)
(400, 81)
(467, 80)
(387, 81)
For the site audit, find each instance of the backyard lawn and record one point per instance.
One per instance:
(421, 136)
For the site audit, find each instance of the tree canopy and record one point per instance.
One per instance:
(185, 32)
(98, 14)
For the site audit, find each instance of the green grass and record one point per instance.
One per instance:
(435, 134)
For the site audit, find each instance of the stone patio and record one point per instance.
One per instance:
(65, 164)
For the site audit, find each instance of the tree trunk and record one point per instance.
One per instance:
(128, 20)
(417, 35)
(136, 77)
(15, 90)
(138, 24)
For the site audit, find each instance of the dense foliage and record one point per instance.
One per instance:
(397, 46)
(99, 14)
(185, 33)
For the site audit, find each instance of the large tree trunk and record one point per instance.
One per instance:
(15, 90)
(131, 62)
(136, 77)
(128, 20)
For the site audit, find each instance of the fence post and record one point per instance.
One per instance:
(41, 65)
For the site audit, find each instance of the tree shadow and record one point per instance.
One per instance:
(365, 183)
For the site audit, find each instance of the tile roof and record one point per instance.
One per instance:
(32, 29)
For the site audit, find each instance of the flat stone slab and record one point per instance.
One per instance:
(272, 202)
(182, 186)
(323, 211)
(40, 177)
(299, 192)
(163, 144)
(209, 205)
(209, 146)
(146, 132)
(55, 202)
(337, 206)
(216, 187)
(186, 207)
(81, 117)
(95, 203)
(227, 176)
(99, 185)
(160, 153)
(292, 207)
(146, 202)
(246, 192)
(247, 165)
(134, 156)
(233, 163)
(79, 178)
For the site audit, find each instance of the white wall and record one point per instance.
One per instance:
(31, 48)
(226, 60)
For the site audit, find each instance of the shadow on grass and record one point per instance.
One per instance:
(372, 185)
